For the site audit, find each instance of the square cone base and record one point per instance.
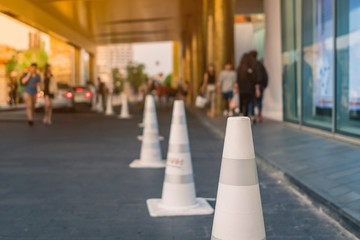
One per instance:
(125, 117)
(202, 207)
(142, 164)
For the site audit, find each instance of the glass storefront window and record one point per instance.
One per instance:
(317, 63)
(348, 66)
(289, 61)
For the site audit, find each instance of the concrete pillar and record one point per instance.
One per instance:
(273, 103)
(3, 86)
(92, 68)
(195, 64)
(77, 68)
(209, 32)
(176, 65)
(223, 37)
(188, 71)
(223, 47)
(207, 37)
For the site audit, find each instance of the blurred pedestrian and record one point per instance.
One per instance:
(209, 87)
(261, 83)
(13, 88)
(50, 88)
(247, 81)
(235, 101)
(31, 80)
(102, 92)
(227, 79)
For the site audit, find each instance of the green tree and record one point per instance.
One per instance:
(136, 75)
(40, 56)
(11, 65)
(118, 81)
(167, 81)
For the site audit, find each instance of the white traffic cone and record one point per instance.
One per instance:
(109, 108)
(178, 194)
(238, 211)
(150, 155)
(152, 123)
(124, 113)
(99, 106)
(141, 125)
(147, 106)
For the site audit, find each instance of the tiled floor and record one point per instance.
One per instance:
(322, 166)
(71, 181)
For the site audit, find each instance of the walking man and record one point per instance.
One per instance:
(31, 81)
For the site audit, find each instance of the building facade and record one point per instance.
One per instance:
(319, 74)
(113, 56)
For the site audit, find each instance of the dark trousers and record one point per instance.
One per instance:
(245, 99)
(257, 101)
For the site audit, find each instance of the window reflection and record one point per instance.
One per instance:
(289, 61)
(348, 66)
(317, 64)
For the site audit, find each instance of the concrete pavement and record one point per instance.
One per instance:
(71, 181)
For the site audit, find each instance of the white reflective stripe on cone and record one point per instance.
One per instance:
(238, 172)
(150, 145)
(179, 179)
(178, 120)
(179, 148)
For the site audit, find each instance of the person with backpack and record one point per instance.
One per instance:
(247, 85)
(261, 83)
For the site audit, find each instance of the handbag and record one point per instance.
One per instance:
(200, 101)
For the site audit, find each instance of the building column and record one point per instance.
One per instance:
(223, 48)
(195, 64)
(223, 37)
(273, 101)
(188, 71)
(3, 85)
(77, 66)
(176, 65)
(92, 68)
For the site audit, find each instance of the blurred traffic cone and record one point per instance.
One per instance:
(150, 155)
(147, 106)
(152, 123)
(178, 194)
(124, 113)
(100, 107)
(238, 211)
(109, 107)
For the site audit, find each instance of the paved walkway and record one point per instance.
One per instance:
(12, 107)
(325, 169)
(71, 181)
